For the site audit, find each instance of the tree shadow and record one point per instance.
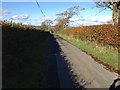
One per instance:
(60, 74)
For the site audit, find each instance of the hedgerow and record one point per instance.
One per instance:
(24, 56)
(104, 34)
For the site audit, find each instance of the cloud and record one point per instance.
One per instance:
(39, 21)
(4, 13)
(101, 19)
(94, 19)
(26, 23)
(74, 19)
(20, 17)
(75, 22)
(47, 18)
(1, 17)
(91, 21)
(106, 19)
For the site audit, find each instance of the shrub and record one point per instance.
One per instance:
(104, 34)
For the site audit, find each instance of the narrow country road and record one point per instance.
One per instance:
(71, 68)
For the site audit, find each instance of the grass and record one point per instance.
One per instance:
(106, 54)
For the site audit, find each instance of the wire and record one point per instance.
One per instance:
(40, 9)
(100, 11)
(74, 20)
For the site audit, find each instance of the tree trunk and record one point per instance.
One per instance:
(116, 14)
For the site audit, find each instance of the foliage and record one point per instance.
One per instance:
(24, 56)
(43, 26)
(105, 34)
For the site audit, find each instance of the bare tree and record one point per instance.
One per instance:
(114, 6)
(48, 23)
(64, 17)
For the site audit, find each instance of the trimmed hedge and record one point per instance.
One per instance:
(104, 34)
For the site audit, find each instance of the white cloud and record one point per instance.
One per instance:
(39, 21)
(91, 21)
(47, 18)
(76, 21)
(94, 19)
(4, 13)
(106, 19)
(101, 19)
(26, 23)
(1, 17)
(20, 17)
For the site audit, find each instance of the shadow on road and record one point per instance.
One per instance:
(53, 80)
(59, 72)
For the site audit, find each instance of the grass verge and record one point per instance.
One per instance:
(106, 55)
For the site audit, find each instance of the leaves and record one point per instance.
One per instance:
(104, 34)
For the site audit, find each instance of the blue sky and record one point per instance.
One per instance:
(29, 13)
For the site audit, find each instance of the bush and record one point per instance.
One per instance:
(104, 34)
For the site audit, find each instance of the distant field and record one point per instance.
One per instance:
(101, 48)
(24, 56)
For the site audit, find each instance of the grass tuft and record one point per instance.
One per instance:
(106, 54)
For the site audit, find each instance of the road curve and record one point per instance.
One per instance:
(85, 70)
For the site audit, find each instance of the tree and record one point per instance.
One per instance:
(43, 26)
(46, 24)
(64, 17)
(114, 6)
(62, 23)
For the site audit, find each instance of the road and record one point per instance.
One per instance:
(75, 69)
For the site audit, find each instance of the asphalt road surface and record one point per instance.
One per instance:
(71, 68)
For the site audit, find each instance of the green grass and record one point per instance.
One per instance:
(107, 53)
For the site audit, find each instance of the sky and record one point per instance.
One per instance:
(29, 12)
